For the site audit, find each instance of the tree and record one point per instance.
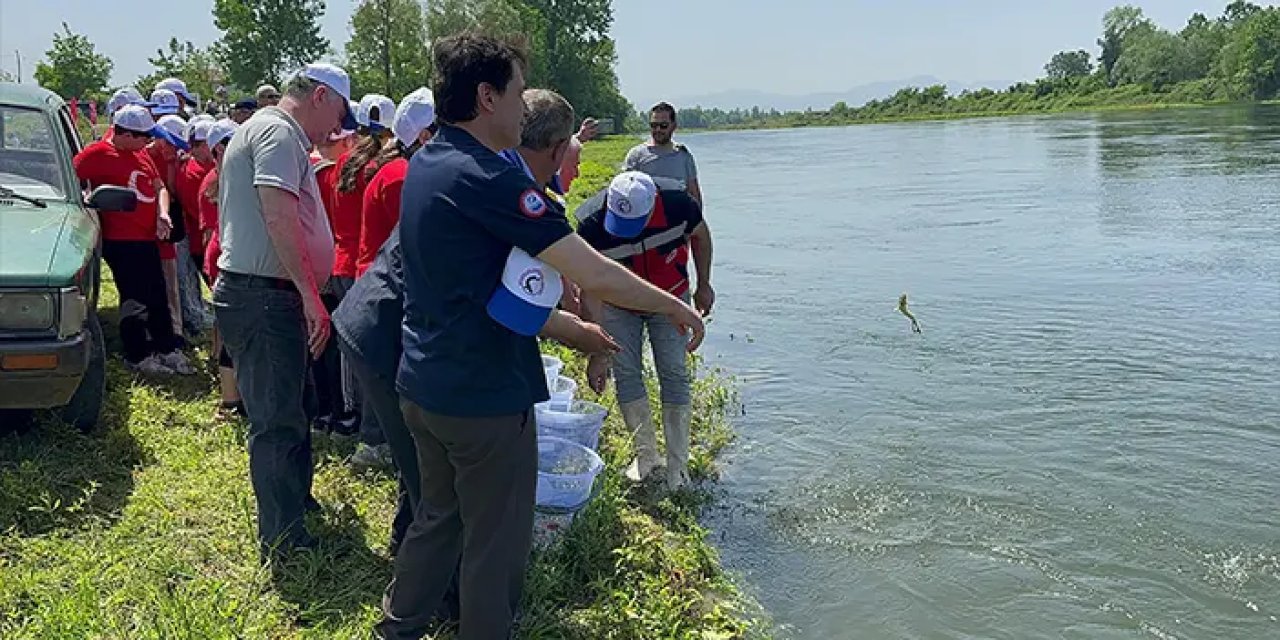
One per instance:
(572, 52)
(262, 39)
(1116, 25)
(1152, 57)
(197, 67)
(1239, 11)
(1069, 64)
(1250, 64)
(74, 67)
(388, 51)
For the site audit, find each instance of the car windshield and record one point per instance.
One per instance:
(30, 161)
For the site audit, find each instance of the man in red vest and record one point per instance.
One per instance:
(650, 232)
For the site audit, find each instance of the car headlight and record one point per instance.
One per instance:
(73, 311)
(24, 311)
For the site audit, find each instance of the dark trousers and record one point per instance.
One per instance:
(144, 309)
(380, 410)
(336, 398)
(264, 330)
(479, 476)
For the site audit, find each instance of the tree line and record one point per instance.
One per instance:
(388, 50)
(1233, 57)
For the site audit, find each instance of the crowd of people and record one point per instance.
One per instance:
(385, 270)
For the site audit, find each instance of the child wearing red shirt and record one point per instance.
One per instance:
(129, 241)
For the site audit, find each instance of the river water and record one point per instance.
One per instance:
(1084, 442)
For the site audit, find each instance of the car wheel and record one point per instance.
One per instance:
(86, 405)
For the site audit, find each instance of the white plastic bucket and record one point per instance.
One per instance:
(580, 422)
(566, 472)
(562, 392)
(552, 366)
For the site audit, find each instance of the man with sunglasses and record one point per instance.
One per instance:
(669, 163)
(277, 249)
(129, 239)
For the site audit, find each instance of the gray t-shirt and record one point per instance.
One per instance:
(670, 168)
(270, 149)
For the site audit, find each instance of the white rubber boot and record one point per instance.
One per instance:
(675, 426)
(637, 417)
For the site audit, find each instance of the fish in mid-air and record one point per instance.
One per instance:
(902, 308)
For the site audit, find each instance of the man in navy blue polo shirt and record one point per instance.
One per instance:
(479, 239)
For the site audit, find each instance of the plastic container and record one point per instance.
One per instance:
(566, 472)
(561, 394)
(580, 422)
(552, 366)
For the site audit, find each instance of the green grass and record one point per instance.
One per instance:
(145, 528)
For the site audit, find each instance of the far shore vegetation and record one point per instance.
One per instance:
(1232, 58)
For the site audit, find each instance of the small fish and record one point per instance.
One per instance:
(902, 308)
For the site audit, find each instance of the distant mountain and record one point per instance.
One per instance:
(855, 97)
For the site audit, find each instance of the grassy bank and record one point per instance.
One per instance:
(145, 529)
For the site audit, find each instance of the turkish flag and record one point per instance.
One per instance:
(75, 110)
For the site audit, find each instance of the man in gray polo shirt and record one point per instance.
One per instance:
(277, 249)
(669, 163)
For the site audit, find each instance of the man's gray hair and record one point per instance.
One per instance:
(300, 87)
(548, 119)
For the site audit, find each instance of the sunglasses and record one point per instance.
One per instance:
(660, 125)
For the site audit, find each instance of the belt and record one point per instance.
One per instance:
(258, 282)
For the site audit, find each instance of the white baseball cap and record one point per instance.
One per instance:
(166, 102)
(335, 78)
(176, 128)
(628, 204)
(221, 131)
(386, 111)
(135, 118)
(178, 87)
(198, 129)
(527, 293)
(416, 112)
(125, 96)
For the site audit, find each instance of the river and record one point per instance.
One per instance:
(1084, 442)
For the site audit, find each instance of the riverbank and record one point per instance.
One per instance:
(145, 528)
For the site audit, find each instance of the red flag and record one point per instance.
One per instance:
(75, 111)
(93, 112)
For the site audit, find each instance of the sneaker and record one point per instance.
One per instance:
(151, 365)
(371, 457)
(178, 363)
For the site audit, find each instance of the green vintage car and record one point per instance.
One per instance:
(52, 353)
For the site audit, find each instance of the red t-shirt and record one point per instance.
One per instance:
(209, 222)
(100, 164)
(381, 210)
(345, 220)
(190, 176)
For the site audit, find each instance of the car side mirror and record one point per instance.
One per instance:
(109, 198)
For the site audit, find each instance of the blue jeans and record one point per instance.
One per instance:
(265, 332)
(669, 355)
(190, 299)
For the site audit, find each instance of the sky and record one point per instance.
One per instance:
(668, 49)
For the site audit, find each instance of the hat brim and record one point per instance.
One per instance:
(164, 110)
(624, 227)
(349, 119)
(163, 134)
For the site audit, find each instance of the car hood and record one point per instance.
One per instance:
(37, 249)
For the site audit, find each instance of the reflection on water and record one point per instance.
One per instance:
(1082, 443)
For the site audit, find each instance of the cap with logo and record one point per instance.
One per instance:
(125, 96)
(375, 111)
(628, 204)
(527, 294)
(179, 88)
(165, 101)
(338, 80)
(221, 131)
(173, 130)
(416, 112)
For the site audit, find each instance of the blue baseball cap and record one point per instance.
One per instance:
(628, 204)
(529, 291)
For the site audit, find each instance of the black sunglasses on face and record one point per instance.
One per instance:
(660, 125)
